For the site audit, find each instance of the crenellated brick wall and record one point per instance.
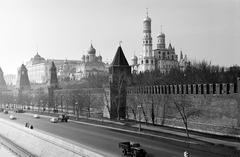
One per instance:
(217, 106)
(223, 88)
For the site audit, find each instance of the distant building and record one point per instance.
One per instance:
(3, 85)
(183, 62)
(162, 58)
(38, 67)
(10, 79)
(91, 65)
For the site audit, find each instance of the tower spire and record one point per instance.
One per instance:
(120, 42)
(147, 11)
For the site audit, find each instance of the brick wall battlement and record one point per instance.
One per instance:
(218, 88)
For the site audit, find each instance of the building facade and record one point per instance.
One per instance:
(162, 58)
(38, 67)
(90, 65)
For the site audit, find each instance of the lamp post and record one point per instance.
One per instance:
(139, 117)
(76, 110)
(41, 103)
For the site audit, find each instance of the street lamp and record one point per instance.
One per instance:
(139, 117)
(76, 110)
(41, 103)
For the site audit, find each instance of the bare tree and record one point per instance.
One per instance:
(186, 110)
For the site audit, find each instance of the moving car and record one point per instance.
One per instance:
(132, 149)
(12, 117)
(5, 111)
(63, 118)
(54, 120)
(36, 116)
(18, 110)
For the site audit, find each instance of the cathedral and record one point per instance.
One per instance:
(162, 58)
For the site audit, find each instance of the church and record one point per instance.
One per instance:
(162, 58)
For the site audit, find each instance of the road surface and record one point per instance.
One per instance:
(103, 140)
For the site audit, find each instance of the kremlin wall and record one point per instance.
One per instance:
(214, 108)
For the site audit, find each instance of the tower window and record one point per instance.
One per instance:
(146, 42)
(142, 62)
(151, 61)
(146, 61)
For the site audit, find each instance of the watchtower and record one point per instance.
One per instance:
(52, 84)
(120, 72)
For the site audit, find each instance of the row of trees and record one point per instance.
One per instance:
(196, 73)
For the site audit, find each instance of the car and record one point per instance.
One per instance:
(12, 117)
(132, 149)
(36, 116)
(18, 110)
(5, 111)
(54, 120)
(63, 118)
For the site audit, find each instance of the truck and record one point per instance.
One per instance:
(132, 149)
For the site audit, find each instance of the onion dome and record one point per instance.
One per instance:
(91, 50)
(147, 19)
(134, 57)
(161, 35)
(38, 57)
(170, 46)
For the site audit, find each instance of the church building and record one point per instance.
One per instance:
(162, 58)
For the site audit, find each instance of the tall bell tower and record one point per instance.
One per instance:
(147, 61)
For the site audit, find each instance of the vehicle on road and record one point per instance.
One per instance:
(63, 118)
(36, 116)
(12, 117)
(18, 110)
(54, 120)
(5, 111)
(132, 149)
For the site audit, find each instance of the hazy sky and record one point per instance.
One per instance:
(64, 29)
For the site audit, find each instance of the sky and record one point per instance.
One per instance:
(64, 29)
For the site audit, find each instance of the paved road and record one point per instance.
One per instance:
(103, 140)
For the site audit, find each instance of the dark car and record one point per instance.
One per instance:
(18, 110)
(63, 118)
(132, 149)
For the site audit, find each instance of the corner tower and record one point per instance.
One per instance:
(147, 61)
